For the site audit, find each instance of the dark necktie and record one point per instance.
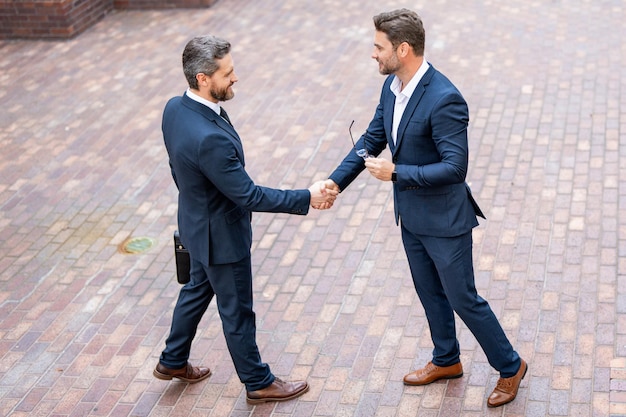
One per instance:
(225, 115)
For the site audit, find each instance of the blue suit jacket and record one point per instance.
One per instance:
(216, 195)
(431, 156)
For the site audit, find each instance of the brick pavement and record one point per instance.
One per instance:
(83, 168)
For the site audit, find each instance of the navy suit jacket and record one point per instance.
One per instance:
(216, 195)
(431, 155)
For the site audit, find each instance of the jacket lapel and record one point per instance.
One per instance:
(388, 105)
(212, 116)
(417, 95)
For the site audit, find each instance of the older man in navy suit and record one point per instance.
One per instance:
(215, 201)
(423, 119)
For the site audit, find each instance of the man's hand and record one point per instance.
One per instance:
(380, 168)
(330, 185)
(323, 195)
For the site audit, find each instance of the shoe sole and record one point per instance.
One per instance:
(270, 399)
(412, 384)
(166, 377)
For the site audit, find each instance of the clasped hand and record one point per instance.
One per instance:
(323, 194)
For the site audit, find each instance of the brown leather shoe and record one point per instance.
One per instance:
(431, 373)
(279, 391)
(188, 373)
(506, 388)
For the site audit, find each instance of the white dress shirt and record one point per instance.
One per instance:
(403, 95)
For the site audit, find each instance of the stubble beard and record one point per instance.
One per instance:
(389, 67)
(224, 94)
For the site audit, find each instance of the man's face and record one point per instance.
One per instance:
(385, 54)
(222, 80)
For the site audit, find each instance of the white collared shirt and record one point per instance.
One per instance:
(213, 106)
(403, 97)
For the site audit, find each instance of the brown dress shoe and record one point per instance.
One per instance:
(279, 390)
(431, 373)
(188, 373)
(506, 388)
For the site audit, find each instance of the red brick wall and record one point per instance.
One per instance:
(60, 19)
(49, 18)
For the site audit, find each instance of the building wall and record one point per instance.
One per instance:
(63, 19)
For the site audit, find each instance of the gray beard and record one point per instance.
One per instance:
(222, 95)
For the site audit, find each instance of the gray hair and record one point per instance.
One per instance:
(402, 25)
(201, 55)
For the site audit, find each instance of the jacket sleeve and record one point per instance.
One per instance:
(448, 131)
(220, 163)
(374, 140)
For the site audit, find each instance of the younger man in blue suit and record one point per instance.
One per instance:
(423, 119)
(215, 201)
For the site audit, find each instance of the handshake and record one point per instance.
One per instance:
(323, 194)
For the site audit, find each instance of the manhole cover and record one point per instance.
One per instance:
(137, 245)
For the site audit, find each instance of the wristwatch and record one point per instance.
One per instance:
(394, 176)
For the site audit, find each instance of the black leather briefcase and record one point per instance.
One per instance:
(183, 263)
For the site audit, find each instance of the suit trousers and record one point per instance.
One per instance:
(232, 286)
(443, 276)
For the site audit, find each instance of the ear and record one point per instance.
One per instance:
(403, 49)
(203, 79)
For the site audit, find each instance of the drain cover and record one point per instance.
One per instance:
(137, 245)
